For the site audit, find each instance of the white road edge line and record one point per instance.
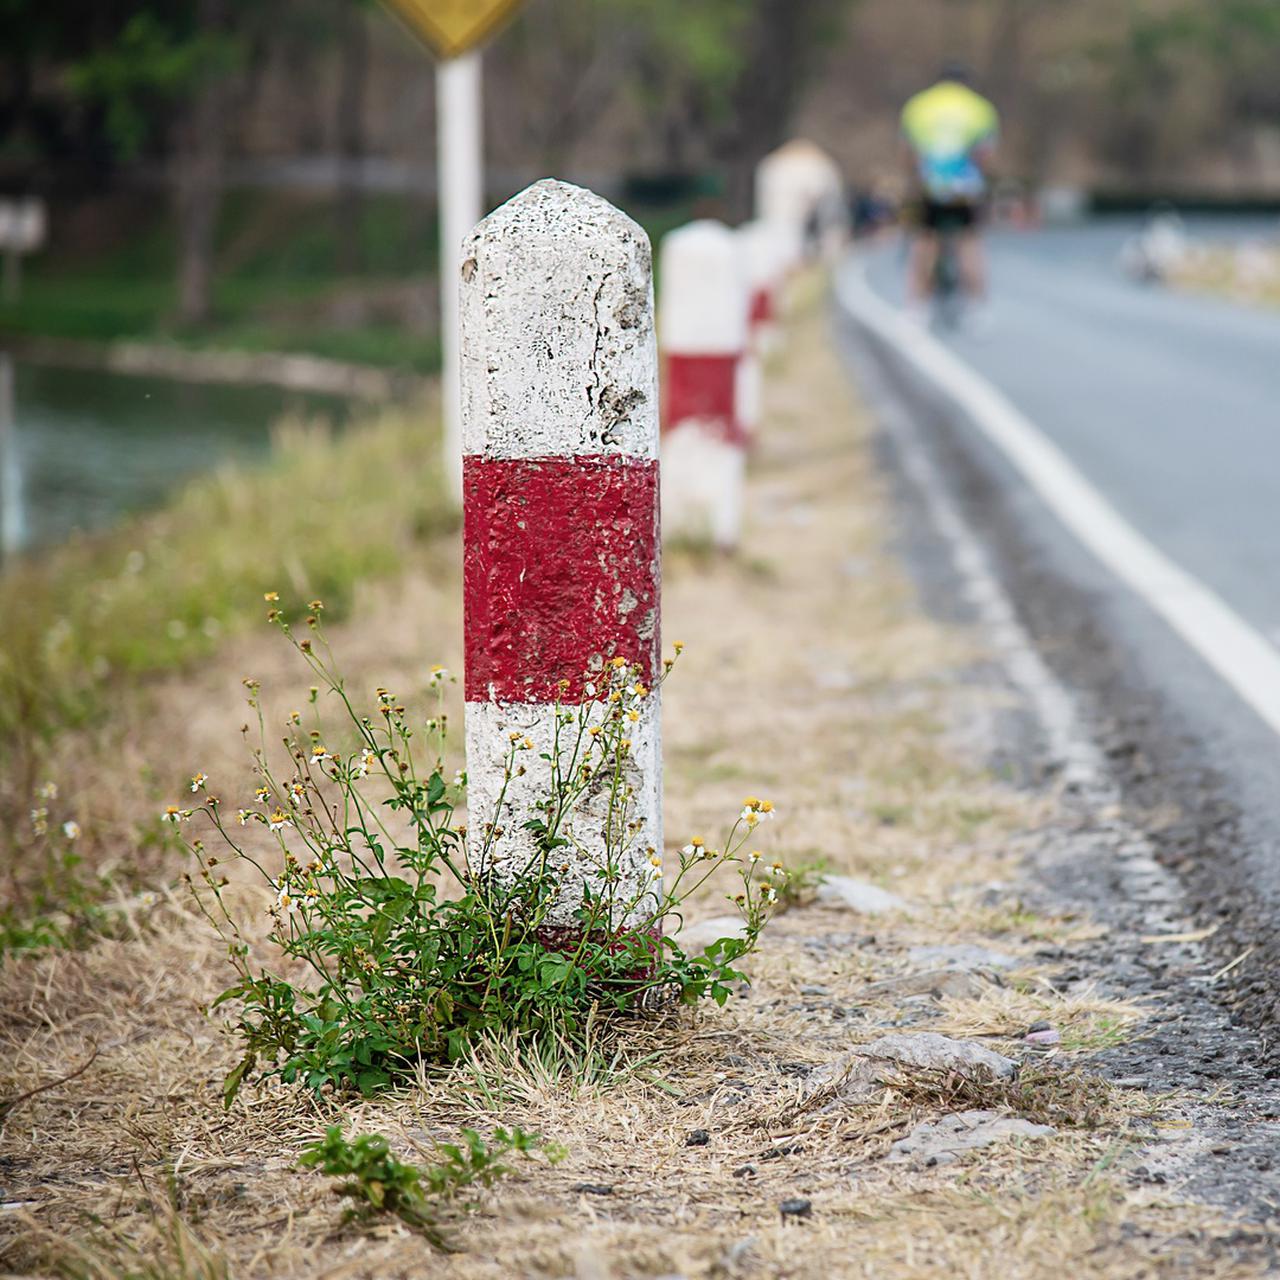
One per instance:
(1234, 649)
(1081, 767)
(1071, 749)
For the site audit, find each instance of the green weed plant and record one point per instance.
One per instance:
(391, 941)
(379, 1183)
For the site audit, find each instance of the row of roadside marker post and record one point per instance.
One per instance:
(718, 310)
(560, 409)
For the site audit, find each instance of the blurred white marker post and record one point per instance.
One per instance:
(23, 224)
(460, 185)
(800, 191)
(702, 325)
(763, 253)
(10, 480)
(561, 567)
(758, 249)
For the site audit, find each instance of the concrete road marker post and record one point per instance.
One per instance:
(561, 532)
(760, 251)
(764, 262)
(703, 324)
(799, 189)
(748, 395)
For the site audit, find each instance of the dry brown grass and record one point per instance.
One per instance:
(812, 677)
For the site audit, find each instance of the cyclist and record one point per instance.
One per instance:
(950, 134)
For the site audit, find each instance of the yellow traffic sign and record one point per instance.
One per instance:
(451, 27)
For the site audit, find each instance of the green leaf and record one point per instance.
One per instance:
(235, 1077)
(369, 1082)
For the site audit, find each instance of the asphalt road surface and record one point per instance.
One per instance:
(1169, 406)
(1169, 403)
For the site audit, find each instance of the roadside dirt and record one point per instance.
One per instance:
(899, 755)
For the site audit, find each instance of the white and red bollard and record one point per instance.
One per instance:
(561, 530)
(703, 324)
(800, 191)
(763, 253)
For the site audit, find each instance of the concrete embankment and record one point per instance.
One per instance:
(292, 371)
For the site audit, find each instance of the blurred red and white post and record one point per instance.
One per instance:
(763, 260)
(760, 252)
(703, 323)
(460, 188)
(800, 191)
(561, 532)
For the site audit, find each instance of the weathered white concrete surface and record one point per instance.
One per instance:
(559, 367)
(489, 726)
(557, 329)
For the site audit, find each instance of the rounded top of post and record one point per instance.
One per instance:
(801, 153)
(557, 353)
(551, 211)
(791, 181)
(708, 232)
(703, 305)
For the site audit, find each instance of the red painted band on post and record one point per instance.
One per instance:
(560, 568)
(761, 311)
(701, 387)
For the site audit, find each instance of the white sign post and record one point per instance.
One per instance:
(460, 186)
(455, 30)
(23, 224)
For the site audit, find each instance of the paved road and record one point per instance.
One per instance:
(1169, 405)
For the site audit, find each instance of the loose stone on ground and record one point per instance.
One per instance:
(935, 1142)
(695, 938)
(859, 1074)
(858, 895)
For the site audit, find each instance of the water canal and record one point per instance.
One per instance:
(90, 447)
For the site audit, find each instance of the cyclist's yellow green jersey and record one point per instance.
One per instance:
(945, 125)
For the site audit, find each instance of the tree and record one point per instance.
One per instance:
(779, 48)
(352, 32)
(714, 82)
(169, 73)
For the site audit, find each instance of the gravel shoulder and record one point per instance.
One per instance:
(980, 1047)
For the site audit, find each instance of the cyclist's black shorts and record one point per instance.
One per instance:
(936, 216)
